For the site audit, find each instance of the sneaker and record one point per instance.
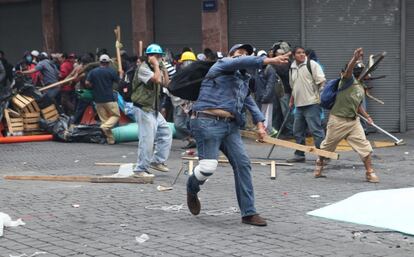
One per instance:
(273, 133)
(191, 144)
(254, 220)
(142, 174)
(296, 159)
(160, 167)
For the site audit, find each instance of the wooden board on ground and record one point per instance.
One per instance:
(91, 179)
(288, 144)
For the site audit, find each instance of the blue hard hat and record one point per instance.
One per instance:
(154, 49)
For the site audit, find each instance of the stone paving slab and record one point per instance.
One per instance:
(111, 216)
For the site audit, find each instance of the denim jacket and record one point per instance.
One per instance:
(219, 90)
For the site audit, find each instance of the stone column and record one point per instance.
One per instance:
(50, 26)
(214, 28)
(142, 22)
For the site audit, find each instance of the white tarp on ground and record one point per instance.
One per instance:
(391, 209)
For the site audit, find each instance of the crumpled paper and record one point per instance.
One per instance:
(6, 221)
(125, 170)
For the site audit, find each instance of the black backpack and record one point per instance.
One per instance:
(125, 85)
(186, 83)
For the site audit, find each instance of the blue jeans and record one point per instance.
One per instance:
(214, 135)
(180, 122)
(309, 115)
(284, 104)
(155, 139)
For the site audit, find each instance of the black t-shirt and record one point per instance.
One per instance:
(102, 79)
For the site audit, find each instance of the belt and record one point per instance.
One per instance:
(212, 116)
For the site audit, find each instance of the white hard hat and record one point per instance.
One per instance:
(104, 58)
(35, 53)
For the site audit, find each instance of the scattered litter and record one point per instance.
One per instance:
(285, 193)
(123, 225)
(164, 188)
(229, 210)
(171, 208)
(179, 208)
(6, 221)
(75, 205)
(25, 255)
(124, 156)
(76, 160)
(263, 164)
(141, 239)
(353, 167)
(356, 234)
(24, 163)
(406, 152)
(315, 196)
(142, 190)
(124, 171)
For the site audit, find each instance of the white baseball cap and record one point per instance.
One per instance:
(35, 53)
(262, 53)
(104, 58)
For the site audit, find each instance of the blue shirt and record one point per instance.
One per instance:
(49, 71)
(102, 79)
(230, 92)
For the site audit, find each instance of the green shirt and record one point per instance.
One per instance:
(347, 101)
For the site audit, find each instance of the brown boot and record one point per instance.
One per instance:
(317, 173)
(254, 220)
(193, 203)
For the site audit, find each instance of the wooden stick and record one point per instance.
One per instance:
(91, 179)
(373, 98)
(252, 162)
(118, 48)
(59, 83)
(190, 167)
(288, 144)
(272, 170)
(140, 48)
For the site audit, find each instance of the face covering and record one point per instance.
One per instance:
(29, 58)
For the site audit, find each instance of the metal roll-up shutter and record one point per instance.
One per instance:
(335, 28)
(263, 22)
(177, 24)
(409, 68)
(89, 24)
(20, 29)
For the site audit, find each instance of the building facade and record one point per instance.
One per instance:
(333, 28)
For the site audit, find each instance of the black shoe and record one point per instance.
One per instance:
(296, 159)
(193, 203)
(254, 220)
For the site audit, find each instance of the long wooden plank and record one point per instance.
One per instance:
(288, 144)
(92, 179)
(56, 84)
(195, 159)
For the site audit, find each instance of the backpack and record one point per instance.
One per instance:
(125, 85)
(328, 94)
(186, 83)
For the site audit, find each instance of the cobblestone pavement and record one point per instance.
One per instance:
(111, 216)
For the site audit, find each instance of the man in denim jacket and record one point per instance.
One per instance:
(217, 116)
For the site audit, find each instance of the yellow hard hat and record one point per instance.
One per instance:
(188, 56)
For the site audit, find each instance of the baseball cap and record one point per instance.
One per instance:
(247, 47)
(35, 53)
(104, 58)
